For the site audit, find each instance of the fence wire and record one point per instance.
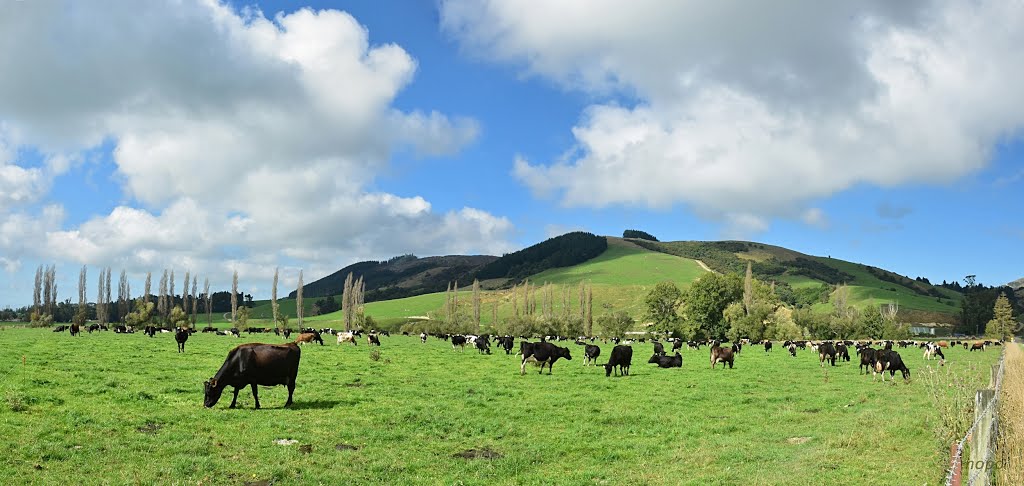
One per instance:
(991, 408)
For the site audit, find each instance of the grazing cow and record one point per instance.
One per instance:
(505, 342)
(792, 349)
(867, 359)
(721, 355)
(737, 347)
(659, 349)
(622, 357)
(977, 346)
(347, 337)
(181, 335)
(826, 353)
(309, 337)
(94, 327)
(209, 329)
(667, 361)
(888, 359)
(767, 346)
(423, 337)
(150, 331)
(543, 353)
(459, 341)
(372, 340)
(60, 329)
(842, 352)
(483, 345)
(252, 365)
(287, 333)
(75, 329)
(677, 345)
(933, 350)
(590, 354)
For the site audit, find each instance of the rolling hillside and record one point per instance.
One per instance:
(622, 275)
(868, 285)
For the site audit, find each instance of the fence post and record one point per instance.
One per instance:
(955, 481)
(981, 440)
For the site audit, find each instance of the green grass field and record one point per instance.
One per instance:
(106, 408)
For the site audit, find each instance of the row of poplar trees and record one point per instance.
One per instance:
(527, 294)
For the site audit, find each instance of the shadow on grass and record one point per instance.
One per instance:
(315, 405)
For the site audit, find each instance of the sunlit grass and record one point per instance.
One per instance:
(107, 408)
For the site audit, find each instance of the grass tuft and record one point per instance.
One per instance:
(1010, 448)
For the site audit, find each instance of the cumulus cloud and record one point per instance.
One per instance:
(747, 111)
(244, 137)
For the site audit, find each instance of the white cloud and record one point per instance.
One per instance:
(815, 217)
(746, 111)
(245, 138)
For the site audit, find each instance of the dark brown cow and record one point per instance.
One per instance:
(721, 355)
(255, 364)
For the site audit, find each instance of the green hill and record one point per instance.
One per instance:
(868, 285)
(623, 274)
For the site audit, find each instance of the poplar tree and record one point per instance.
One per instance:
(107, 307)
(161, 301)
(273, 297)
(589, 319)
(347, 300)
(170, 296)
(298, 301)
(208, 301)
(515, 300)
(234, 297)
(37, 292)
(184, 292)
(82, 313)
(476, 303)
(195, 299)
(48, 290)
(145, 294)
(100, 308)
(122, 295)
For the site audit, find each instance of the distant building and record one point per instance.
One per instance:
(930, 329)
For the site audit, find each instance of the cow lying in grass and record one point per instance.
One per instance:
(667, 361)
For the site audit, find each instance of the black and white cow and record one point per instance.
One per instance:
(542, 353)
(590, 354)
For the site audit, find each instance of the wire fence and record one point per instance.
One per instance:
(980, 439)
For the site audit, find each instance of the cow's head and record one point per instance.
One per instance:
(654, 358)
(211, 392)
(608, 369)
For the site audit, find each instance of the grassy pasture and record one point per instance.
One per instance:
(106, 408)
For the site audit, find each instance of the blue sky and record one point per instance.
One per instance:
(309, 135)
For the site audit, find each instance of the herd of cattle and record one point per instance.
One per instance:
(255, 364)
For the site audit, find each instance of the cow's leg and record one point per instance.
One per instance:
(522, 367)
(234, 399)
(255, 395)
(291, 390)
